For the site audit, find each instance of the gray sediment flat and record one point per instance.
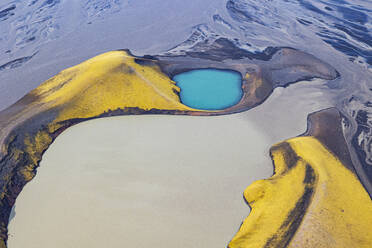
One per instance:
(156, 181)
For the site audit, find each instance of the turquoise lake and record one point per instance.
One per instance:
(209, 89)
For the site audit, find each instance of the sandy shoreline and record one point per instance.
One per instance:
(170, 181)
(182, 177)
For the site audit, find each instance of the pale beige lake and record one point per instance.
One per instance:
(155, 181)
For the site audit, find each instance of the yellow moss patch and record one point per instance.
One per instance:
(338, 213)
(35, 146)
(107, 82)
(28, 172)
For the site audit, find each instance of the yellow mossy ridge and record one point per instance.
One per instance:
(37, 145)
(270, 203)
(339, 211)
(107, 82)
(34, 147)
(28, 172)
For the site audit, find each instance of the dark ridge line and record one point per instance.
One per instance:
(337, 131)
(238, 53)
(295, 216)
(361, 154)
(294, 219)
(218, 19)
(341, 151)
(16, 63)
(6, 12)
(196, 29)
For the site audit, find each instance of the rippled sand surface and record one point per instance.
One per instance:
(155, 181)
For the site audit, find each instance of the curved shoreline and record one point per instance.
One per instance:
(174, 178)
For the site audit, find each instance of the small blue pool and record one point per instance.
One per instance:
(209, 89)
